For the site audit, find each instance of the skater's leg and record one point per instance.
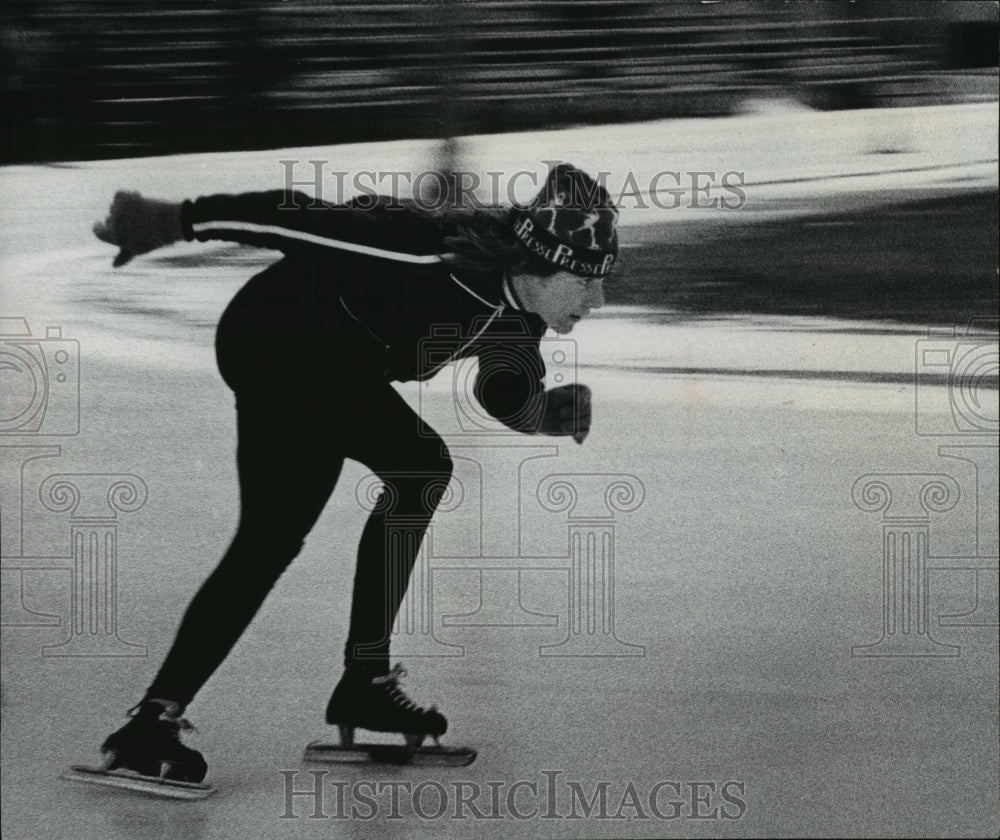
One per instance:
(288, 462)
(413, 463)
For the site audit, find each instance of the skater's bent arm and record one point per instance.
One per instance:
(510, 386)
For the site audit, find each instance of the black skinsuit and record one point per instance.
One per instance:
(309, 347)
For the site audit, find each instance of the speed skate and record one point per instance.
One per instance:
(362, 700)
(146, 755)
(137, 782)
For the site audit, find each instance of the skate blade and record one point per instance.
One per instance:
(327, 752)
(128, 780)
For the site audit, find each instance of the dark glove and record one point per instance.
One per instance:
(139, 225)
(567, 412)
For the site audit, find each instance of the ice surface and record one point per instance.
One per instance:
(746, 574)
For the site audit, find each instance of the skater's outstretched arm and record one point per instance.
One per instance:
(290, 222)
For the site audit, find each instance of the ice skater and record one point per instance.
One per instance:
(309, 347)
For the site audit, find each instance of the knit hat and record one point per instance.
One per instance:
(571, 223)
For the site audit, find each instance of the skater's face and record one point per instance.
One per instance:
(564, 298)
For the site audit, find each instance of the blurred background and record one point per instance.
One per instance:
(105, 78)
(874, 120)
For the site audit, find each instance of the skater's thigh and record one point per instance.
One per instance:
(289, 456)
(388, 436)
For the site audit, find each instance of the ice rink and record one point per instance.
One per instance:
(789, 627)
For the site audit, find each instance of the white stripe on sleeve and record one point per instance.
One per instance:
(302, 236)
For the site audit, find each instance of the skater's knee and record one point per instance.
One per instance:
(436, 482)
(420, 486)
(434, 462)
(447, 465)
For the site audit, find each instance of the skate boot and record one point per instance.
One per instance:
(150, 745)
(380, 705)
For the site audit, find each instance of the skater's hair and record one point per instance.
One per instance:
(481, 243)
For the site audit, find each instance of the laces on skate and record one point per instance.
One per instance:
(150, 745)
(380, 704)
(170, 713)
(392, 682)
